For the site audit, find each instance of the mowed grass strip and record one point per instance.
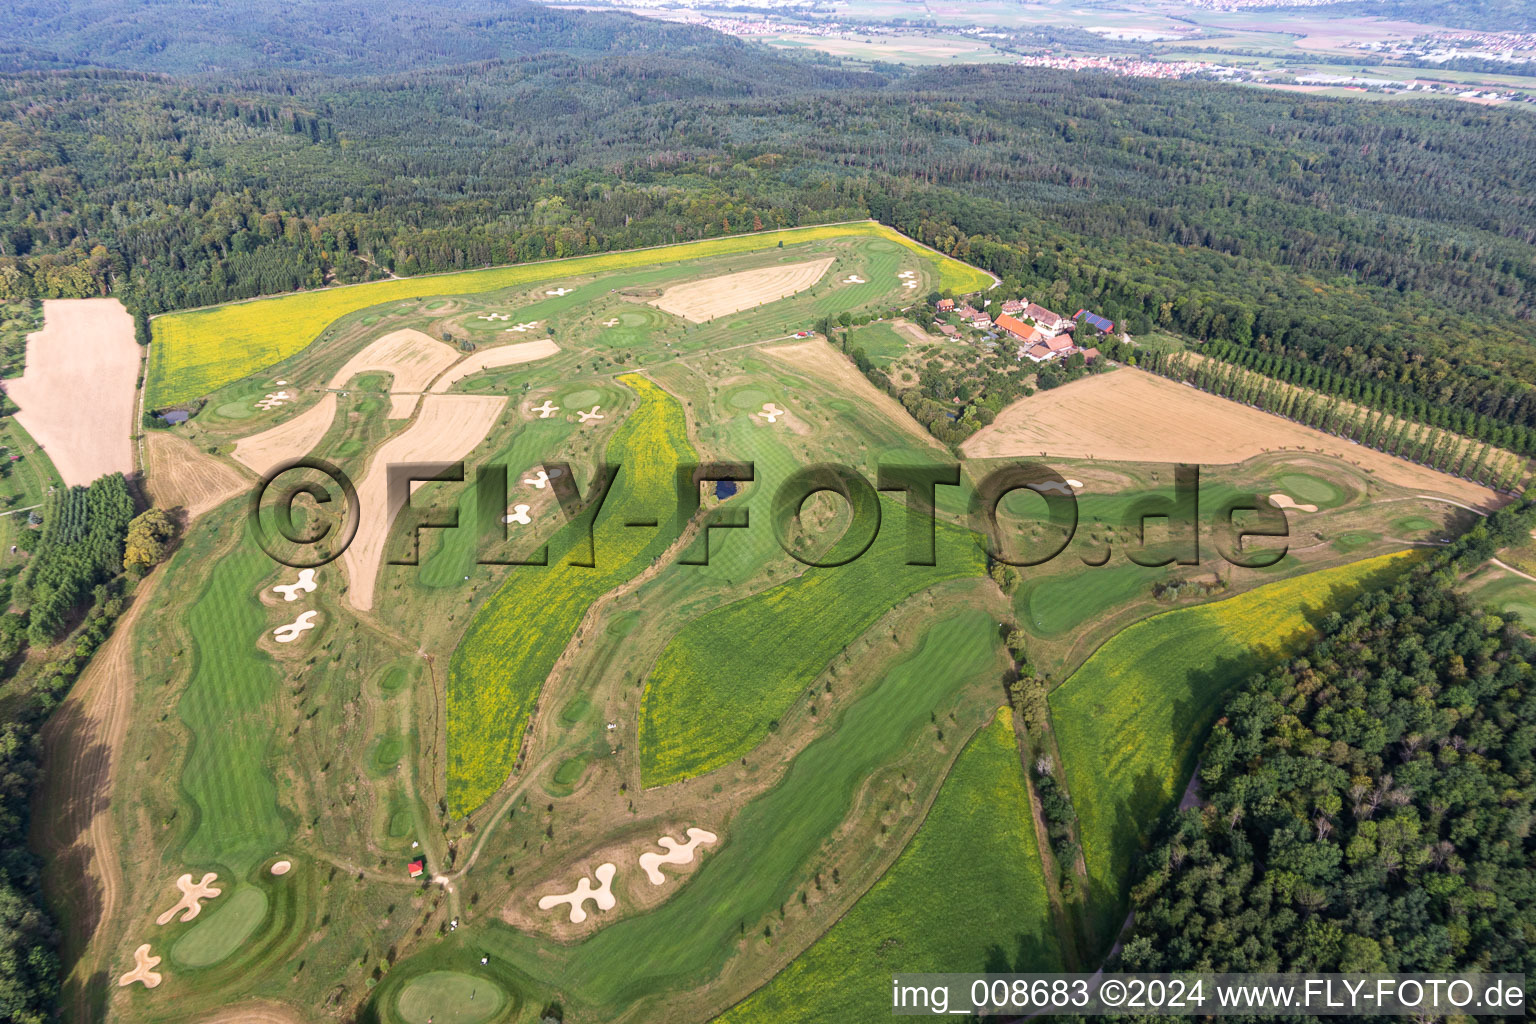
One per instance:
(199, 351)
(724, 680)
(497, 671)
(772, 845)
(968, 894)
(1130, 723)
(228, 706)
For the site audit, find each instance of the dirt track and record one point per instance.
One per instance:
(412, 358)
(289, 439)
(1131, 416)
(717, 296)
(448, 428)
(177, 474)
(84, 358)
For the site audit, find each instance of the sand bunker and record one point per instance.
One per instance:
(191, 892)
(448, 428)
(306, 585)
(593, 415)
(540, 478)
(854, 279)
(602, 895)
(403, 407)
(84, 358)
(559, 291)
(1284, 501)
(1076, 485)
(519, 514)
(494, 358)
(412, 358)
(289, 633)
(521, 328)
(770, 412)
(546, 410)
(495, 316)
(291, 440)
(282, 867)
(716, 296)
(614, 322)
(677, 853)
(273, 400)
(142, 964)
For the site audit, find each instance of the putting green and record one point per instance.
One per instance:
(623, 624)
(221, 930)
(583, 398)
(569, 772)
(388, 753)
(448, 997)
(747, 398)
(1354, 540)
(239, 410)
(1413, 524)
(1310, 490)
(635, 318)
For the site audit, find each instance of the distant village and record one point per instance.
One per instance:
(1034, 332)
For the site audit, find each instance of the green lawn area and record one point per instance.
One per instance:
(721, 684)
(222, 928)
(772, 844)
(1056, 604)
(967, 894)
(1507, 593)
(1130, 722)
(880, 341)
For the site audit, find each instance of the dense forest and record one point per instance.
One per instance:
(1384, 242)
(1369, 806)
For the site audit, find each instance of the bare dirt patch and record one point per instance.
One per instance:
(822, 361)
(1131, 416)
(700, 301)
(448, 428)
(288, 440)
(84, 358)
(494, 358)
(412, 358)
(178, 475)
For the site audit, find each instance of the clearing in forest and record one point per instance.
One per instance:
(1131, 416)
(84, 358)
(701, 301)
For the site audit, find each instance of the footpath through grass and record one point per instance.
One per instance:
(968, 894)
(771, 847)
(199, 351)
(1130, 723)
(498, 670)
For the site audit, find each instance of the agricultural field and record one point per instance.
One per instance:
(1129, 722)
(518, 751)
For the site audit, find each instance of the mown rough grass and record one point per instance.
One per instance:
(495, 675)
(723, 681)
(198, 351)
(968, 894)
(1130, 722)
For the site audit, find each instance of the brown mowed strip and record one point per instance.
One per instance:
(495, 358)
(1131, 416)
(447, 428)
(178, 475)
(288, 440)
(84, 359)
(412, 358)
(731, 293)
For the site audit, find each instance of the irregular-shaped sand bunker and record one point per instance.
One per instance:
(771, 412)
(493, 358)
(282, 867)
(305, 585)
(546, 410)
(412, 358)
(291, 440)
(448, 428)
(716, 296)
(495, 316)
(854, 279)
(908, 278)
(677, 853)
(521, 328)
(1284, 501)
(273, 400)
(1076, 485)
(142, 964)
(612, 322)
(541, 478)
(191, 894)
(289, 633)
(559, 291)
(593, 415)
(519, 514)
(602, 894)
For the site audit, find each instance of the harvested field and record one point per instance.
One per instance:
(820, 360)
(403, 407)
(412, 358)
(289, 440)
(178, 475)
(495, 358)
(83, 358)
(1131, 416)
(449, 428)
(700, 301)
